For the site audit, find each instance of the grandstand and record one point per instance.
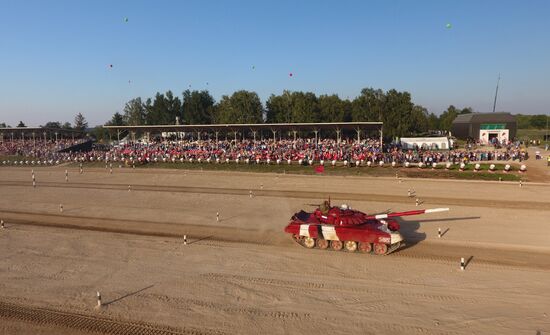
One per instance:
(362, 129)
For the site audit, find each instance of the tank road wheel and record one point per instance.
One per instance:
(380, 248)
(350, 246)
(322, 243)
(365, 247)
(336, 245)
(309, 242)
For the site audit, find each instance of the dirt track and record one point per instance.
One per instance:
(244, 273)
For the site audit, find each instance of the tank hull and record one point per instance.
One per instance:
(375, 233)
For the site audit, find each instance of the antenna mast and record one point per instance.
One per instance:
(496, 93)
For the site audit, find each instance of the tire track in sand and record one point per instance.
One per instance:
(216, 236)
(90, 323)
(298, 194)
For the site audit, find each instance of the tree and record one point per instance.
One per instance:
(446, 119)
(419, 120)
(4, 125)
(279, 108)
(55, 125)
(331, 108)
(173, 108)
(369, 105)
(305, 107)
(80, 122)
(433, 122)
(241, 107)
(99, 133)
(524, 121)
(117, 120)
(396, 112)
(538, 121)
(293, 107)
(134, 112)
(198, 107)
(67, 125)
(21, 125)
(163, 110)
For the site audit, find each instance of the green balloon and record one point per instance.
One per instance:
(125, 19)
(448, 26)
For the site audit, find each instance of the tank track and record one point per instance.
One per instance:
(391, 248)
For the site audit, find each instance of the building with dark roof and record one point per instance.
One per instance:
(485, 127)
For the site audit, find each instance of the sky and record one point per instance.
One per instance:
(55, 55)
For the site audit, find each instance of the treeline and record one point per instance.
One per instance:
(80, 123)
(401, 116)
(540, 121)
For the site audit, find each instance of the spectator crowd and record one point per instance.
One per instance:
(263, 150)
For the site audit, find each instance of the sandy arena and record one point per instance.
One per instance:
(244, 275)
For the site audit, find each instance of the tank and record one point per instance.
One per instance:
(342, 228)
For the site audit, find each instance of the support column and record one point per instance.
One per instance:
(274, 133)
(381, 136)
(294, 131)
(358, 135)
(42, 133)
(316, 141)
(118, 134)
(235, 132)
(23, 137)
(254, 134)
(338, 131)
(33, 139)
(198, 135)
(217, 137)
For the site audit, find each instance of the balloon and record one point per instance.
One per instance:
(290, 74)
(110, 65)
(253, 67)
(125, 19)
(448, 25)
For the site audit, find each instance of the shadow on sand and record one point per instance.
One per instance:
(127, 295)
(409, 230)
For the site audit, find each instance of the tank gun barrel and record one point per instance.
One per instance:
(408, 213)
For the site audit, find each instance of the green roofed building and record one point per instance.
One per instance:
(485, 127)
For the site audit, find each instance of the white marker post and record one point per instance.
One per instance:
(2, 224)
(217, 216)
(61, 208)
(409, 192)
(98, 299)
(33, 183)
(462, 265)
(439, 232)
(262, 186)
(520, 183)
(184, 239)
(416, 202)
(250, 193)
(129, 188)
